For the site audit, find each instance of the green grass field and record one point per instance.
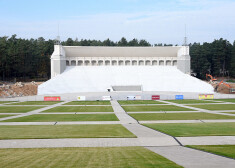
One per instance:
(115, 157)
(2, 102)
(65, 117)
(88, 103)
(126, 102)
(226, 100)
(216, 106)
(178, 116)
(18, 109)
(64, 131)
(223, 150)
(195, 129)
(230, 112)
(190, 101)
(36, 103)
(2, 116)
(154, 108)
(81, 109)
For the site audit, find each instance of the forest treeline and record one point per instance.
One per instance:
(23, 59)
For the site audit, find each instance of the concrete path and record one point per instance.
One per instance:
(197, 109)
(33, 112)
(207, 140)
(147, 135)
(60, 123)
(121, 114)
(191, 158)
(186, 121)
(82, 142)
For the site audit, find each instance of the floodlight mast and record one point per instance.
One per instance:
(185, 37)
(58, 36)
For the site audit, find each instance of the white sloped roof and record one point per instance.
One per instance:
(77, 79)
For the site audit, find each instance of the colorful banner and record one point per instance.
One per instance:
(179, 97)
(155, 97)
(52, 98)
(206, 96)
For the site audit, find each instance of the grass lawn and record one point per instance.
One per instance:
(190, 101)
(88, 103)
(1, 102)
(81, 109)
(124, 102)
(37, 103)
(195, 129)
(154, 108)
(115, 157)
(226, 100)
(223, 150)
(2, 116)
(178, 116)
(230, 112)
(18, 109)
(65, 117)
(216, 106)
(64, 131)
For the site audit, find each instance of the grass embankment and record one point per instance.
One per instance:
(81, 109)
(114, 157)
(64, 117)
(223, 150)
(195, 129)
(154, 108)
(64, 131)
(37, 103)
(18, 109)
(178, 116)
(88, 103)
(216, 106)
(190, 101)
(126, 102)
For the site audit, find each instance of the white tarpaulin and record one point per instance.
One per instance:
(77, 79)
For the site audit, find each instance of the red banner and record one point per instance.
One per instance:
(155, 97)
(55, 98)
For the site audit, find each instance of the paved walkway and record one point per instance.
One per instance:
(207, 140)
(191, 158)
(197, 109)
(32, 112)
(121, 114)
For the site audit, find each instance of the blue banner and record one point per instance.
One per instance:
(179, 97)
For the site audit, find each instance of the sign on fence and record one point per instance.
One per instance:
(81, 98)
(106, 98)
(52, 98)
(179, 97)
(206, 96)
(155, 97)
(130, 97)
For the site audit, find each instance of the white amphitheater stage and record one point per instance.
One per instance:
(77, 79)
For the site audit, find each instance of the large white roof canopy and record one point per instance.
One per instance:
(90, 51)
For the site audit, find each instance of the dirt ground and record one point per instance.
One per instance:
(18, 89)
(222, 88)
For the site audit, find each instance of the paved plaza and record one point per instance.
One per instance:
(171, 147)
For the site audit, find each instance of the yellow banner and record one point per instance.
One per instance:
(206, 96)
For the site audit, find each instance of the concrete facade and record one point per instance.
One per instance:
(119, 56)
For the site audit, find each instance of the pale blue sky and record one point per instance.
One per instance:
(158, 21)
